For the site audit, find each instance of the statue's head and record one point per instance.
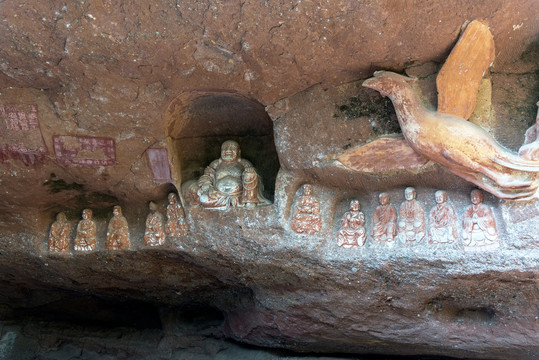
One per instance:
(86, 214)
(387, 83)
(307, 190)
(476, 197)
(440, 196)
(249, 174)
(152, 206)
(230, 151)
(61, 217)
(354, 205)
(383, 198)
(171, 198)
(409, 193)
(117, 210)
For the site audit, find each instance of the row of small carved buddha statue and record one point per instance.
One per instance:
(118, 230)
(479, 230)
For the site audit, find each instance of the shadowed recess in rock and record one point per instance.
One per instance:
(197, 123)
(92, 311)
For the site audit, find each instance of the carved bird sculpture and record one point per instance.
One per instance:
(462, 147)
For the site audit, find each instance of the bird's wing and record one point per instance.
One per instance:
(382, 154)
(459, 79)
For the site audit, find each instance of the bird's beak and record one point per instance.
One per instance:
(374, 83)
(370, 83)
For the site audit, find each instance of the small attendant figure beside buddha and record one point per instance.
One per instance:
(176, 224)
(154, 234)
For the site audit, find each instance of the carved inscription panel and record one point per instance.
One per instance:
(83, 150)
(20, 135)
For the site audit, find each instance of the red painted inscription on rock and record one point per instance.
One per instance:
(19, 117)
(158, 158)
(83, 150)
(21, 137)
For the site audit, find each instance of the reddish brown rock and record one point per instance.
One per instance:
(284, 80)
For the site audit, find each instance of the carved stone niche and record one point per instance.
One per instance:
(199, 122)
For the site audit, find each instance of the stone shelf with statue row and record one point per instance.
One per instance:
(409, 228)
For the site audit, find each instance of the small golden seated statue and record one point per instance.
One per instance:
(154, 235)
(479, 226)
(412, 227)
(118, 231)
(59, 234)
(306, 218)
(352, 232)
(442, 221)
(86, 232)
(228, 182)
(176, 225)
(384, 221)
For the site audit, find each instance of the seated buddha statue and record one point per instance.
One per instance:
(306, 218)
(411, 225)
(228, 182)
(352, 232)
(479, 231)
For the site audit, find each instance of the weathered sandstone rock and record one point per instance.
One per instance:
(106, 103)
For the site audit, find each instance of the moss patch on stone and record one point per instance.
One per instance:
(58, 185)
(530, 54)
(358, 106)
(100, 203)
(525, 110)
(380, 111)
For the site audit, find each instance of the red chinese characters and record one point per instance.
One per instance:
(86, 151)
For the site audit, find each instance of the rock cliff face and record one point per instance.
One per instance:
(106, 103)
